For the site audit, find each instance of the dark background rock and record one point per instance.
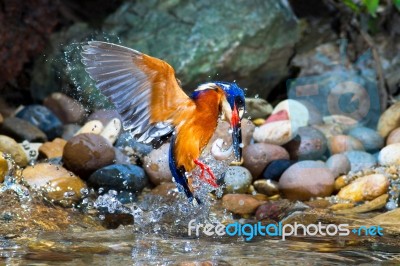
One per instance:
(25, 29)
(249, 48)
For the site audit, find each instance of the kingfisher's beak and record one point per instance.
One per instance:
(236, 136)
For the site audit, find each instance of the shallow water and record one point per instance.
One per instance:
(123, 247)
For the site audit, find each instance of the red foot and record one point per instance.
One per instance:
(211, 179)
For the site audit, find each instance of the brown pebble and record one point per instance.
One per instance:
(365, 188)
(240, 203)
(58, 183)
(52, 149)
(394, 137)
(87, 152)
(343, 143)
(257, 156)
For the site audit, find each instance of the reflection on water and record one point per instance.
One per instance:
(123, 247)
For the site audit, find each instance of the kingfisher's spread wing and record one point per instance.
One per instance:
(143, 89)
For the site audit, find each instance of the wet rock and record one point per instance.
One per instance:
(112, 130)
(119, 177)
(369, 138)
(31, 150)
(340, 182)
(126, 197)
(237, 179)
(394, 137)
(122, 158)
(3, 167)
(247, 131)
(85, 153)
(52, 149)
(274, 210)
(8, 145)
(156, 165)
(307, 179)
(129, 145)
(267, 187)
(375, 204)
(257, 156)
(309, 144)
(365, 188)
(276, 168)
(1, 119)
(70, 130)
(65, 108)
(44, 119)
(344, 122)
(93, 126)
(329, 130)
(57, 183)
(167, 189)
(390, 155)
(240, 203)
(360, 160)
(259, 122)
(338, 164)
(343, 143)
(389, 120)
(257, 108)
(278, 132)
(104, 116)
(297, 112)
(21, 130)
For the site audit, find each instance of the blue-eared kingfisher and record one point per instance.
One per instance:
(152, 105)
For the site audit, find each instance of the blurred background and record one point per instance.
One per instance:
(259, 44)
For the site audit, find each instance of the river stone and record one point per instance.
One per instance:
(65, 108)
(275, 210)
(276, 132)
(8, 145)
(57, 183)
(360, 160)
(237, 179)
(92, 126)
(390, 155)
(389, 120)
(369, 138)
(119, 177)
(85, 153)
(112, 130)
(276, 168)
(105, 116)
(52, 149)
(309, 144)
(394, 137)
(257, 108)
(329, 130)
(307, 179)
(241, 203)
(31, 150)
(365, 188)
(297, 112)
(315, 116)
(156, 165)
(1, 119)
(21, 130)
(69, 131)
(130, 145)
(343, 143)
(240, 45)
(3, 167)
(338, 164)
(44, 119)
(257, 156)
(267, 187)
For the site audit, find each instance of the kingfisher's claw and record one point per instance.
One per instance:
(211, 179)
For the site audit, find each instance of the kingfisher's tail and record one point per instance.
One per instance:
(179, 174)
